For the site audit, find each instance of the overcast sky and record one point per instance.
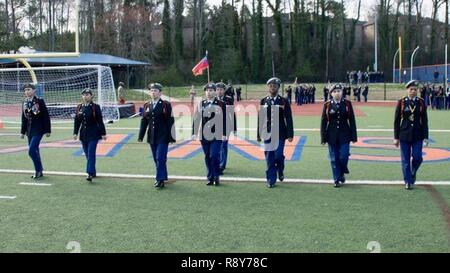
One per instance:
(367, 7)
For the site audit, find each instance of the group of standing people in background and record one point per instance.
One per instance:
(360, 77)
(303, 94)
(435, 96)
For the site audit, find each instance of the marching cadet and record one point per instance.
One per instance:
(210, 117)
(338, 129)
(35, 124)
(231, 125)
(159, 120)
(411, 132)
(89, 128)
(275, 126)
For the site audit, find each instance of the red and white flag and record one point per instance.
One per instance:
(202, 65)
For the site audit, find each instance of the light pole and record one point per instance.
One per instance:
(446, 68)
(273, 62)
(327, 52)
(412, 61)
(393, 66)
(375, 66)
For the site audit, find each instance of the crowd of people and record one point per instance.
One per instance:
(303, 94)
(435, 96)
(359, 77)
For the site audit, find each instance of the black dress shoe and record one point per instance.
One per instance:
(216, 181)
(281, 177)
(337, 184)
(221, 170)
(89, 178)
(408, 186)
(342, 179)
(210, 183)
(161, 184)
(37, 175)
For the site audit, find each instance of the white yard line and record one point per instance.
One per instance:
(35, 184)
(8, 197)
(246, 129)
(230, 179)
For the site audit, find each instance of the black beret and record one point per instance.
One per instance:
(274, 80)
(29, 85)
(86, 90)
(155, 86)
(209, 86)
(221, 85)
(336, 86)
(412, 83)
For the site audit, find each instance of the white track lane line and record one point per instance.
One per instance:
(231, 179)
(35, 184)
(8, 197)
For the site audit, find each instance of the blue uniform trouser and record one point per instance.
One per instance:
(447, 103)
(408, 150)
(274, 160)
(33, 152)
(223, 154)
(90, 151)
(339, 155)
(211, 149)
(159, 152)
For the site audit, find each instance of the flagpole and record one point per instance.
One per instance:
(208, 66)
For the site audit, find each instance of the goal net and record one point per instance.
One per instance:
(60, 87)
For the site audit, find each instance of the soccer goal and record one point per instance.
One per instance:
(60, 87)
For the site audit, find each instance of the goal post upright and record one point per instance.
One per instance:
(76, 53)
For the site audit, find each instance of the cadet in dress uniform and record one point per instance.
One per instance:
(89, 128)
(159, 120)
(338, 129)
(326, 93)
(210, 117)
(365, 92)
(411, 132)
(275, 126)
(35, 124)
(231, 125)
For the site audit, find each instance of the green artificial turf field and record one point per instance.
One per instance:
(128, 214)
